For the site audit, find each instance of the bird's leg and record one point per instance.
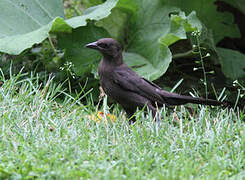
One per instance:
(101, 96)
(130, 116)
(156, 115)
(154, 112)
(131, 119)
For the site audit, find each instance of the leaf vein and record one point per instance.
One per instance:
(25, 13)
(46, 12)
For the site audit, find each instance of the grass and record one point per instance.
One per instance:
(42, 137)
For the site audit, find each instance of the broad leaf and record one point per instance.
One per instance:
(118, 22)
(180, 25)
(94, 13)
(232, 62)
(115, 24)
(142, 65)
(26, 22)
(150, 24)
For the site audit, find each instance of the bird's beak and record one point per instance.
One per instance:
(92, 45)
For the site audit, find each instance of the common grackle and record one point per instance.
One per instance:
(129, 89)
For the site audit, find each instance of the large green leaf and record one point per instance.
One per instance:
(180, 25)
(144, 67)
(150, 24)
(26, 22)
(17, 43)
(115, 24)
(94, 13)
(152, 33)
(24, 16)
(118, 22)
(232, 62)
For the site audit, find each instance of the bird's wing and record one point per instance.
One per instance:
(130, 81)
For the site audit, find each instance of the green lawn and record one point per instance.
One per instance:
(43, 138)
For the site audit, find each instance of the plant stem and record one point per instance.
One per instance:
(203, 68)
(52, 45)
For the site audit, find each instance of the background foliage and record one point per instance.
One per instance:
(155, 35)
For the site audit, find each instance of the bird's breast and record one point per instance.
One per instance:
(106, 80)
(110, 87)
(107, 84)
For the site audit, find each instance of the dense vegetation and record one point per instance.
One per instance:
(201, 42)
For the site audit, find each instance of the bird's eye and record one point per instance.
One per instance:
(104, 46)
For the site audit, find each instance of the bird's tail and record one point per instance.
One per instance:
(176, 99)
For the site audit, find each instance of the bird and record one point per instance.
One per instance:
(129, 89)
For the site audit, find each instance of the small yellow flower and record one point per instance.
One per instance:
(99, 117)
(112, 117)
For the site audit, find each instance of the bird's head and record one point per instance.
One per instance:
(107, 46)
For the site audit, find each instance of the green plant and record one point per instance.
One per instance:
(147, 32)
(125, 21)
(196, 35)
(68, 69)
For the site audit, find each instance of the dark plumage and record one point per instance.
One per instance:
(129, 89)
